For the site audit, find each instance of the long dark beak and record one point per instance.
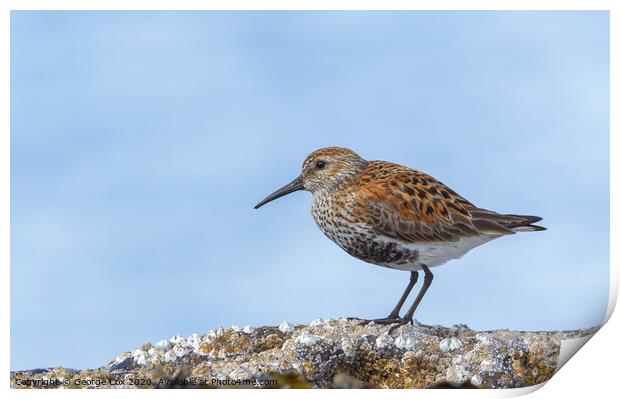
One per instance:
(293, 186)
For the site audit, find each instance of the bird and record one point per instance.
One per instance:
(394, 216)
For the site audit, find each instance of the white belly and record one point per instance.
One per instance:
(434, 254)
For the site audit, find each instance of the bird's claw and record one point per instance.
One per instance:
(383, 321)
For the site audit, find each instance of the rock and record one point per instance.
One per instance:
(476, 380)
(163, 344)
(306, 339)
(341, 353)
(123, 365)
(450, 344)
(286, 328)
(384, 340)
(405, 341)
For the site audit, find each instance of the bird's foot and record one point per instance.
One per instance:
(384, 320)
(387, 320)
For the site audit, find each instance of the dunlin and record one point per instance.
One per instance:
(394, 216)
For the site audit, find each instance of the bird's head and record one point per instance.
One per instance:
(322, 170)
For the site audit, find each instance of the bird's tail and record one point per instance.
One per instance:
(526, 223)
(513, 223)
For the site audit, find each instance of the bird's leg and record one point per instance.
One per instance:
(428, 279)
(394, 316)
(395, 313)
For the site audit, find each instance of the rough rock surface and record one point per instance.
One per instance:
(326, 353)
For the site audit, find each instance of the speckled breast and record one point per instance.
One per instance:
(333, 215)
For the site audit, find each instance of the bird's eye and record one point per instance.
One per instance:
(320, 164)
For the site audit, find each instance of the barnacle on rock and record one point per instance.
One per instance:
(339, 353)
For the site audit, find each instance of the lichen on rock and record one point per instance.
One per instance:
(340, 353)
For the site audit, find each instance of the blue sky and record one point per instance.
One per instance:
(141, 141)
